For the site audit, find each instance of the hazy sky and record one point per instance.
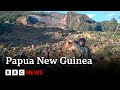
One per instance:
(97, 15)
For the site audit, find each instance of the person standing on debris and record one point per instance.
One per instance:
(82, 51)
(22, 54)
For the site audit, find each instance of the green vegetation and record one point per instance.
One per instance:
(11, 16)
(82, 22)
(109, 25)
(102, 44)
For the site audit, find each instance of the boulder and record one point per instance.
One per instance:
(22, 20)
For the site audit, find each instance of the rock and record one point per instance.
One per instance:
(71, 20)
(32, 19)
(22, 20)
(1, 46)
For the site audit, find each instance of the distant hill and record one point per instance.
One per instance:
(71, 21)
(26, 27)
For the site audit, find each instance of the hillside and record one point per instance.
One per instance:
(51, 35)
(103, 46)
(20, 35)
(71, 20)
(22, 29)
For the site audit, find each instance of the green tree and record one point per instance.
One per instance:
(109, 25)
(113, 24)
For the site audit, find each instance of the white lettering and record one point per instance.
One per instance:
(89, 61)
(64, 60)
(8, 59)
(18, 62)
(84, 61)
(46, 61)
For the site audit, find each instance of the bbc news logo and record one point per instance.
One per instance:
(14, 72)
(22, 72)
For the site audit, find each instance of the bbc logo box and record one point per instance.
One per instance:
(14, 72)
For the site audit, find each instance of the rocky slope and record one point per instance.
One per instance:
(71, 20)
(21, 35)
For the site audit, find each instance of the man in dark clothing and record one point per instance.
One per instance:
(82, 50)
(23, 56)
